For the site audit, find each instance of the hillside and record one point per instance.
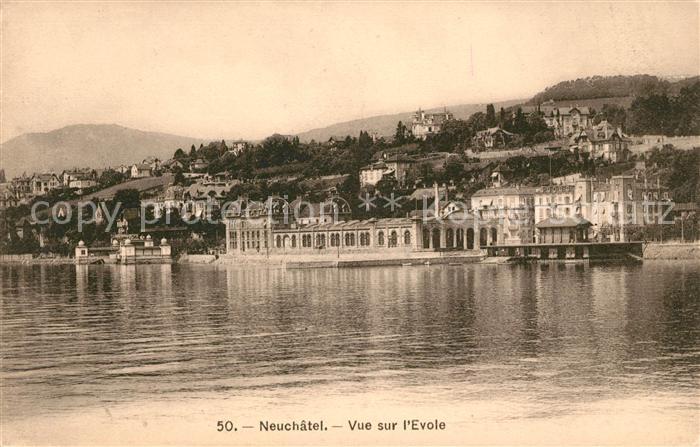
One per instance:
(594, 103)
(142, 185)
(93, 145)
(385, 125)
(593, 92)
(610, 87)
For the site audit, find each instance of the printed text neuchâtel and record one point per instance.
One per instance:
(354, 425)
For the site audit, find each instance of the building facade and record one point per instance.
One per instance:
(79, 179)
(566, 230)
(610, 205)
(279, 228)
(504, 215)
(555, 201)
(22, 186)
(601, 141)
(237, 146)
(8, 198)
(43, 183)
(398, 166)
(141, 170)
(425, 123)
(564, 121)
(491, 138)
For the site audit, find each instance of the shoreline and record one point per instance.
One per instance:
(686, 251)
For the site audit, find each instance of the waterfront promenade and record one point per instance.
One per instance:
(350, 259)
(651, 251)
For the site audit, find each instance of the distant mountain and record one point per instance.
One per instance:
(86, 145)
(385, 125)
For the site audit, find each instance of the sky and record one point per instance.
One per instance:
(247, 70)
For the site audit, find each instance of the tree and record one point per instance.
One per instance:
(452, 135)
(179, 154)
(387, 185)
(661, 114)
(426, 173)
(209, 152)
(129, 198)
(401, 135)
(477, 122)
(603, 87)
(454, 170)
(613, 114)
(364, 141)
(350, 187)
(179, 178)
(518, 124)
(278, 150)
(502, 117)
(490, 116)
(651, 114)
(536, 123)
(193, 152)
(110, 177)
(687, 110)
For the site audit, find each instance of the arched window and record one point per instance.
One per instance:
(278, 241)
(294, 241)
(393, 239)
(407, 237)
(380, 238)
(436, 238)
(449, 238)
(364, 239)
(349, 239)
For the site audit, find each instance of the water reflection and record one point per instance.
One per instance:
(552, 335)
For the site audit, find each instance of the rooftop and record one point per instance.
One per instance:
(563, 222)
(505, 191)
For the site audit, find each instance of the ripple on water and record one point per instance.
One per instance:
(548, 340)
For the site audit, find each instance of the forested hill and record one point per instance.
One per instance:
(611, 87)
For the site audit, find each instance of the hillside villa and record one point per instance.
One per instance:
(425, 123)
(397, 165)
(141, 170)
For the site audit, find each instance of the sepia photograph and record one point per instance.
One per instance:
(341, 223)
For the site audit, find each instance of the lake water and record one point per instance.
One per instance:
(502, 354)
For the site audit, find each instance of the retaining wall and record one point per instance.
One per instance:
(672, 251)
